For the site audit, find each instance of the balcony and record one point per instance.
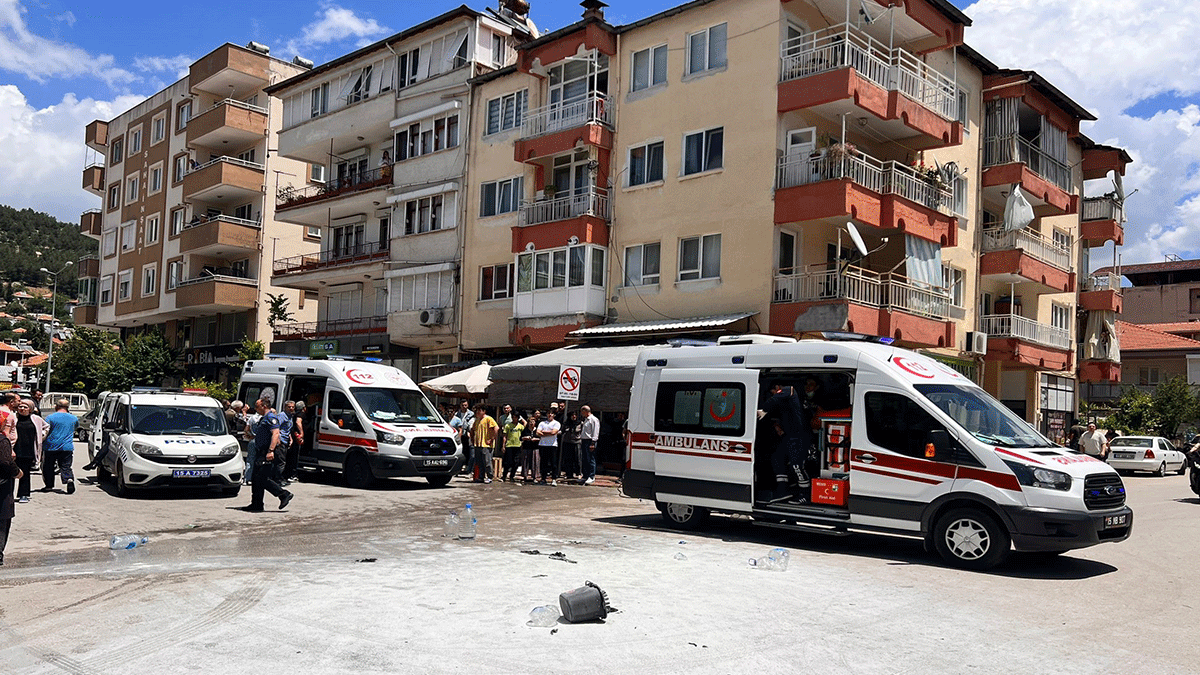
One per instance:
(91, 222)
(834, 68)
(230, 71)
(349, 123)
(555, 129)
(1017, 256)
(88, 266)
(215, 293)
(1101, 292)
(93, 179)
(1102, 219)
(224, 180)
(291, 197)
(547, 223)
(84, 314)
(331, 329)
(346, 264)
(1046, 181)
(220, 236)
(1024, 342)
(884, 194)
(817, 298)
(228, 122)
(95, 136)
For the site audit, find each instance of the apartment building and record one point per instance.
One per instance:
(186, 224)
(722, 166)
(381, 135)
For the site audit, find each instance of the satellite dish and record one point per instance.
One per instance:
(856, 238)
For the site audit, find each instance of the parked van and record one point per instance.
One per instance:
(366, 420)
(903, 445)
(79, 405)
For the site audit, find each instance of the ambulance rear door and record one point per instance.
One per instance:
(704, 421)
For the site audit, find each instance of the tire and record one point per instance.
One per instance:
(683, 516)
(102, 473)
(122, 488)
(357, 471)
(1161, 471)
(971, 539)
(1182, 469)
(231, 491)
(438, 481)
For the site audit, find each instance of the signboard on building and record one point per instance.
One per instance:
(322, 348)
(372, 349)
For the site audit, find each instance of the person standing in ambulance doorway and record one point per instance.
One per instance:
(795, 418)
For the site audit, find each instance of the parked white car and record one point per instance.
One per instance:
(1145, 453)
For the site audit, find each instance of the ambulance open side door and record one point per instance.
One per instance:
(704, 422)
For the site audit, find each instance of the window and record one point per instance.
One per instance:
(158, 128)
(179, 168)
(423, 215)
(149, 280)
(114, 196)
(897, 423)
(128, 236)
(106, 285)
(496, 282)
(1060, 316)
(706, 49)
(247, 155)
(347, 240)
(1148, 376)
(124, 285)
(245, 212)
(499, 50)
(385, 233)
(316, 173)
(502, 196)
(156, 179)
(421, 138)
(506, 112)
(559, 268)
(649, 68)
(423, 290)
(704, 408)
(341, 412)
(646, 163)
(954, 280)
(700, 257)
(152, 230)
(177, 218)
(406, 68)
(1194, 301)
(183, 115)
(131, 189)
(109, 243)
(1062, 239)
(964, 108)
(642, 264)
(135, 141)
(361, 88)
(117, 153)
(319, 100)
(960, 196)
(703, 151)
(598, 267)
(174, 274)
(312, 231)
(232, 328)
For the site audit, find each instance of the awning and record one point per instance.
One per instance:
(634, 328)
(606, 374)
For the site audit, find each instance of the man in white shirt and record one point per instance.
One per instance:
(547, 432)
(1093, 443)
(587, 443)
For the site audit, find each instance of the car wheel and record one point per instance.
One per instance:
(970, 539)
(358, 472)
(684, 516)
(1161, 470)
(102, 473)
(1182, 469)
(122, 487)
(438, 481)
(231, 491)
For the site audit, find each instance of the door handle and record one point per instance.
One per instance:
(866, 458)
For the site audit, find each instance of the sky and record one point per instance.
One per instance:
(1133, 63)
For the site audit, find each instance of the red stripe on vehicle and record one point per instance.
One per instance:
(724, 455)
(1020, 457)
(906, 463)
(348, 441)
(1004, 481)
(881, 472)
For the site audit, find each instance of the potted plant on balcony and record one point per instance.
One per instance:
(933, 177)
(549, 191)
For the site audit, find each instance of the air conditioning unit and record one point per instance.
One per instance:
(976, 342)
(431, 317)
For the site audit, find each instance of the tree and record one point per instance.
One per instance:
(251, 350)
(144, 360)
(82, 362)
(38, 338)
(1135, 413)
(278, 311)
(221, 392)
(1174, 403)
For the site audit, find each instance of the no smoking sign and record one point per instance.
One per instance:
(569, 379)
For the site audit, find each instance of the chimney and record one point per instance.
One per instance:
(593, 9)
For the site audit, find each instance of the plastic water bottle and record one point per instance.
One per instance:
(543, 617)
(450, 527)
(127, 541)
(467, 525)
(778, 559)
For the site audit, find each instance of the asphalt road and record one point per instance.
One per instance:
(353, 581)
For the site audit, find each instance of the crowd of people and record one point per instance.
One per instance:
(273, 440)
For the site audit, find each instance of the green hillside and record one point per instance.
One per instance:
(26, 233)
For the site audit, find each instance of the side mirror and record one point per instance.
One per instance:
(938, 446)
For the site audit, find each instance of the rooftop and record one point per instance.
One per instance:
(1159, 273)
(1134, 338)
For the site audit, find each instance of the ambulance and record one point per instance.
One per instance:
(903, 445)
(367, 420)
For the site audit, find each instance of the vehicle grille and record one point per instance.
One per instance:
(1103, 491)
(437, 447)
(183, 461)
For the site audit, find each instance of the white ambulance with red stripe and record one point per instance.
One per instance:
(367, 420)
(902, 444)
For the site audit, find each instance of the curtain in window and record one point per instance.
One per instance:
(923, 261)
(1101, 342)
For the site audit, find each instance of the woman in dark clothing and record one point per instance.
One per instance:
(8, 473)
(29, 440)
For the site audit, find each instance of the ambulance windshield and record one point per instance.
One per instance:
(983, 417)
(395, 406)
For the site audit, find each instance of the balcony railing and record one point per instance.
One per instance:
(223, 275)
(1009, 149)
(1103, 208)
(316, 330)
(228, 160)
(814, 283)
(233, 102)
(289, 196)
(1016, 326)
(346, 255)
(886, 178)
(1032, 243)
(592, 202)
(201, 219)
(895, 69)
(595, 108)
(1102, 282)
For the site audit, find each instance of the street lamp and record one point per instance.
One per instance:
(53, 318)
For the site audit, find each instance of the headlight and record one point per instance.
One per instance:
(1040, 477)
(389, 437)
(230, 450)
(145, 449)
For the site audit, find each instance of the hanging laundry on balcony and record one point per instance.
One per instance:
(923, 260)
(1018, 212)
(1102, 343)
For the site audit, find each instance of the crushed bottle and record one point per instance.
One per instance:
(127, 541)
(543, 617)
(775, 560)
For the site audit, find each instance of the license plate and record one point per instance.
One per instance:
(1123, 455)
(191, 473)
(437, 462)
(1116, 521)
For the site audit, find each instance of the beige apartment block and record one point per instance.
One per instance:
(382, 137)
(186, 230)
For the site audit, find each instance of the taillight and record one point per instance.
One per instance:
(1149, 454)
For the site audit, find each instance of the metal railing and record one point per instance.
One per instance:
(814, 283)
(885, 178)
(215, 276)
(234, 103)
(595, 108)
(1017, 326)
(1102, 282)
(346, 255)
(895, 69)
(1029, 241)
(1103, 208)
(204, 220)
(315, 330)
(227, 160)
(1013, 148)
(288, 196)
(591, 202)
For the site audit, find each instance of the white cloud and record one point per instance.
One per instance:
(67, 17)
(1108, 55)
(176, 66)
(40, 59)
(333, 24)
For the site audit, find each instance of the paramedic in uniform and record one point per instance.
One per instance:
(795, 417)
